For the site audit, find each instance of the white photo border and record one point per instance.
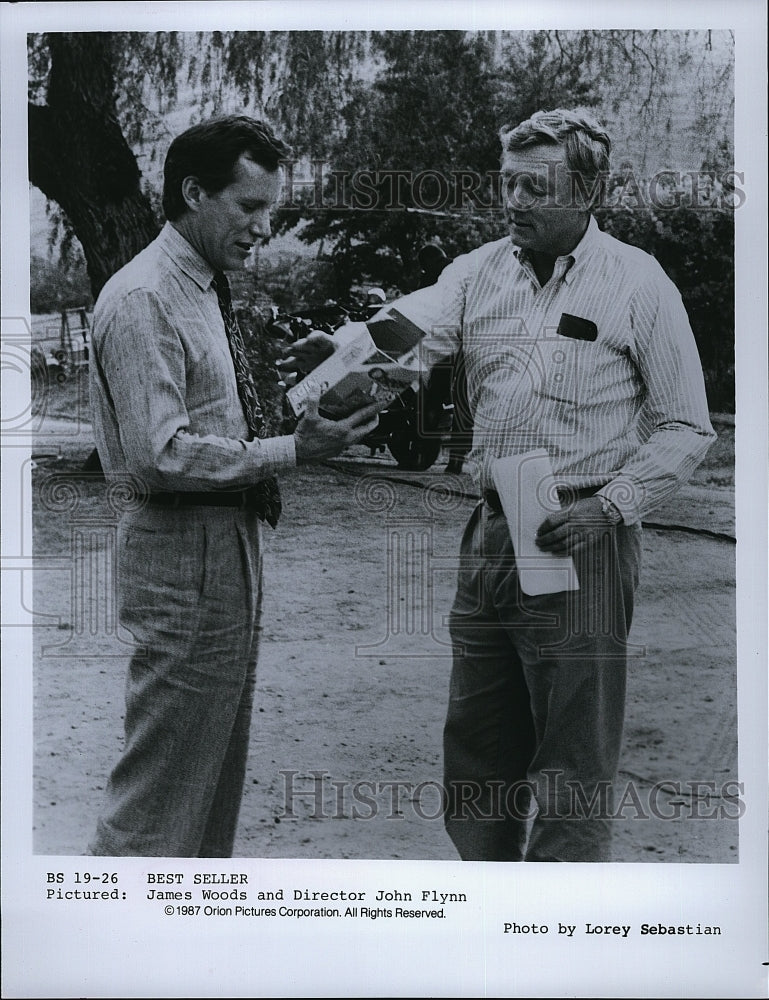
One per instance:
(70, 951)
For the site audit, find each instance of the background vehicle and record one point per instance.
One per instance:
(70, 355)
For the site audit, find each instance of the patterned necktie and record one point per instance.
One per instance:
(266, 496)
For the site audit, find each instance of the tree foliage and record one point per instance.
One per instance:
(436, 107)
(53, 288)
(104, 106)
(100, 100)
(79, 157)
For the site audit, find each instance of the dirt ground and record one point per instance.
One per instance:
(354, 665)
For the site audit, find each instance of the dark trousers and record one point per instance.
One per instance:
(537, 699)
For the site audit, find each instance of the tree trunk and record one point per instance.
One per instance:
(79, 158)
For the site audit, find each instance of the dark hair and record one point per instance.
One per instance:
(209, 152)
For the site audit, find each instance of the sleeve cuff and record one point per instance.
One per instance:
(274, 455)
(627, 497)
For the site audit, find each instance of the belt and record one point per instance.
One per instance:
(214, 498)
(566, 494)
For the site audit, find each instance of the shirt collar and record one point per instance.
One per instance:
(185, 256)
(579, 254)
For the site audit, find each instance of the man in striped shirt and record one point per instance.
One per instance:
(178, 423)
(580, 345)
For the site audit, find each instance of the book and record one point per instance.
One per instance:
(374, 362)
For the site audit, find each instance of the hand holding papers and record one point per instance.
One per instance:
(527, 491)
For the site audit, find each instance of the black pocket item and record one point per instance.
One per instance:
(577, 328)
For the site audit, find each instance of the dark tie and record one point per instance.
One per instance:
(265, 494)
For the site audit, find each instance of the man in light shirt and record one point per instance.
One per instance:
(175, 413)
(578, 345)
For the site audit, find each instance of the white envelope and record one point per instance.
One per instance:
(527, 491)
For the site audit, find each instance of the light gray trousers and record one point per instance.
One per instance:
(190, 592)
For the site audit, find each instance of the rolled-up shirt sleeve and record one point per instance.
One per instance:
(173, 431)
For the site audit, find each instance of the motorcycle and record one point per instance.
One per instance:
(414, 425)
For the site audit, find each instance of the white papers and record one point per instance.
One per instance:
(527, 491)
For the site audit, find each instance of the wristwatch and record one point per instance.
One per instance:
(609, 511)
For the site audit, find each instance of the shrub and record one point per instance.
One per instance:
(53, 287)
